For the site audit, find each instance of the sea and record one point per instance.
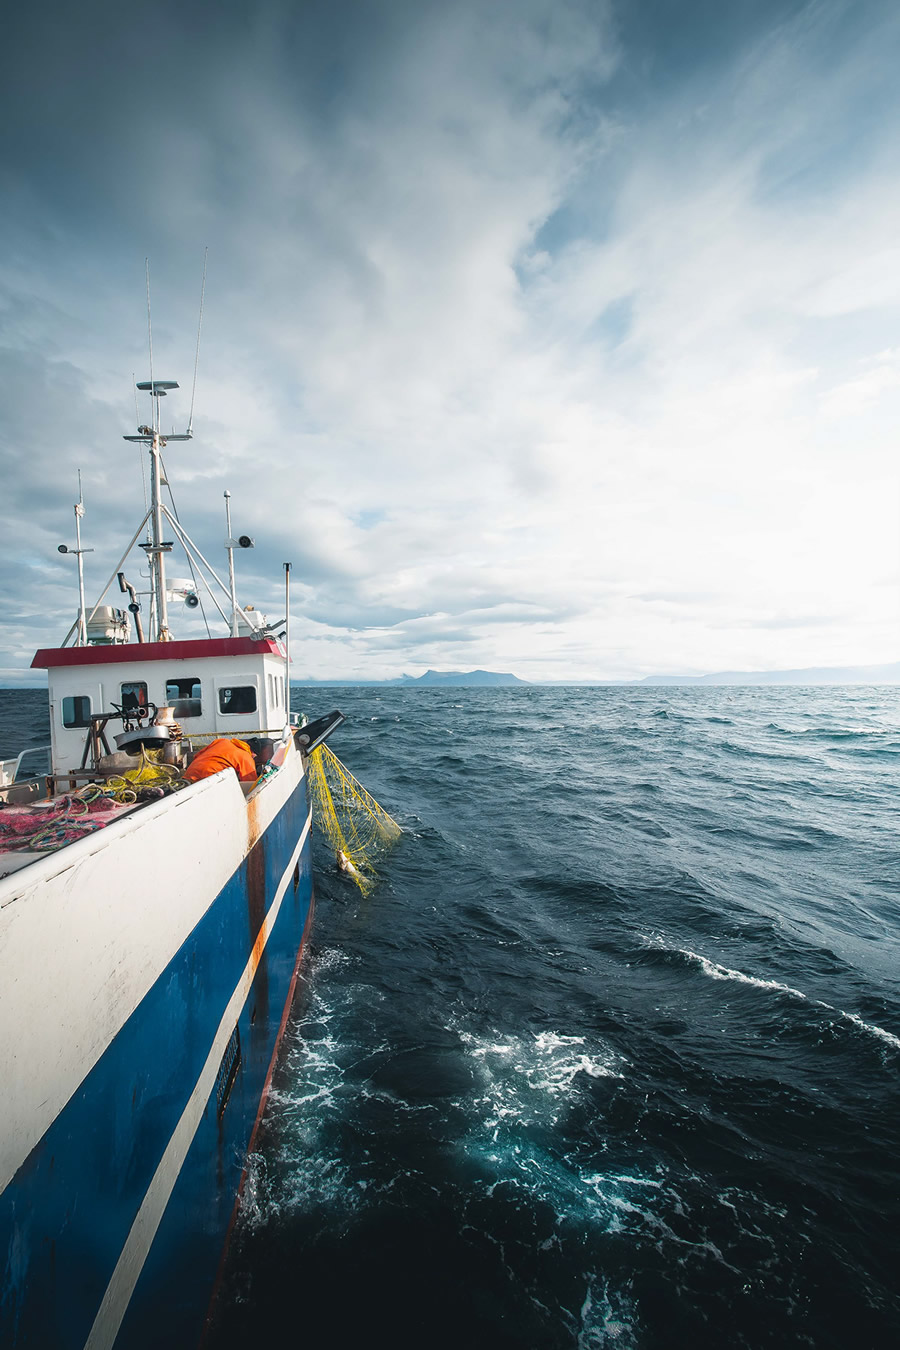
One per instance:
(609, 1057)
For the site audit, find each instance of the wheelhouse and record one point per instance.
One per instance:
(214, 687)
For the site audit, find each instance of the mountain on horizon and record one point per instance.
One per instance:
(458, 677)
(884, 674)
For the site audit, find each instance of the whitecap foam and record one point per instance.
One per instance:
(524, 1086)
(257, 1207)
(319, 1183)
(300, 1180)
(328, 958)
(717, 972)
(531, 1079)
(888, 1037)
(607, 1318)
(619, 1208)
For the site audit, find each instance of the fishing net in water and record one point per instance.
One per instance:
(357, 828)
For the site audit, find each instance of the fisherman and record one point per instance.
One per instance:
(247, 758)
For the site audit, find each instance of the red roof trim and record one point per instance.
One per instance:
(52, 658)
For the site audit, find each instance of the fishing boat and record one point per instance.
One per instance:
(152, 921)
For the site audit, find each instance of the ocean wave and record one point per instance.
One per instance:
(714, 971)
(887, 1036)
(717, 972)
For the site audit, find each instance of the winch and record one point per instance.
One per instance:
(156, 735)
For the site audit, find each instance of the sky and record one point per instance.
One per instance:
(559, 337)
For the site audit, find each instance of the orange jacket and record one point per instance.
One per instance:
(222, 754)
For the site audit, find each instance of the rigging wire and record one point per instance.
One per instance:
(197, 353)
(190, 562)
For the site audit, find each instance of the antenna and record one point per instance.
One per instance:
(156, 547)
(150, 330)
(197, 355)
(287, 639)
(78, 551)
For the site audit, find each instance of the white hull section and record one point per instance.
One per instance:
(99, 921)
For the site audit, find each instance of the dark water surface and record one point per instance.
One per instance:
(610, 1057)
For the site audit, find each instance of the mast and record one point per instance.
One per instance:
(158, 547)
(229, 546)
(82, 617)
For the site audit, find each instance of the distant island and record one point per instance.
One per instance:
(457, 677)
(886, 674)
(810, 675)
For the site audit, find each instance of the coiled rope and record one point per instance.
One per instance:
(75, 815)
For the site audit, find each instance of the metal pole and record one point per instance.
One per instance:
(189, 543)
(229, 545)
(111, 580)
(82, 622)
(287, 639)
(159, 566)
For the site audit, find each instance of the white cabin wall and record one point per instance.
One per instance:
(102, 683)
(276, 692)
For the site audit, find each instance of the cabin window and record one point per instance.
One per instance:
(183, 696)
(134, 696)
(238, 700)
(76, 711)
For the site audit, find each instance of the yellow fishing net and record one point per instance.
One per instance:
(350, 818)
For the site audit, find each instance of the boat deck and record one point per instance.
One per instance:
(31, 831)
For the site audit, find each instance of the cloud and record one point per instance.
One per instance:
(532, 340)
(878, 375)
